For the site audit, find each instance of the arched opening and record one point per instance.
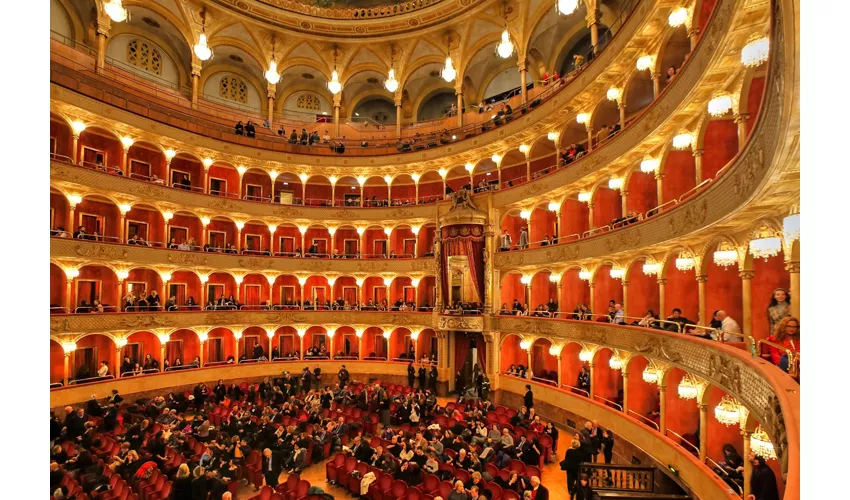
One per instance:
(719, 434)
(255, 238)
(544, 366)
(97, 284)
(286, 292)
(642, 291)
(642, 192)
(220, 286)
(254, 343)
(346, 343)
(513, 292)
(427, 345)
(318, 191)
(544, 157)
(571, 367)
(679, 171)
(512, 356)
(221, 234)
(223, 180)
(674, 53)
(770, 274)
(185, 288)
(220, 346)
(185, 227)
(347, 242)
(186, 172)
(574, 290)
(723, 290)
(287, 239)
(146, 162)
(574, 219)
(57, 362)
(376, 192)
(143, 348)
(430, 187)
(287, 342)
(401, 347)
(720, 145)
(681, 291)
(544, 294)
(607, 206)
(145, 222)
(347, 192)
(605, 290)
(374, 344)
(456, 179)
(99, 216)
(254, 292)
(256, 185)
(91, 351)
(682, 414)
(643, 396)
(182, 348)
(100, 149)
(638, 93)
(607, 383)
(543, 226)
(59, 211)
(57, 290)
(316, 343)
(61, 138)
(287, 189)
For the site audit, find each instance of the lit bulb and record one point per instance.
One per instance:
(682, 140)
(272, 75)
(617, 273)
(648, 165)
(554, 206)
(613, 94)
(584, 196)
(469, 167)
(496, 158)
(127, 141)
(566, 7)
(334, 86)
(719, 104)
(391, 84)
(644, 63)
(553, 136)
(615, 183)
(207, 162)
(584, 275)
(442, 172)
(506, 47)
(449, 72)
(651, 268)
(241, 169)
(756, 51)
(202, 50)
(78, 127)
(525, 148)
(583, 118)
(678, 17)
(170, 154)
(115, 10)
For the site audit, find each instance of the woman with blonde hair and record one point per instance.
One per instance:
(786, 334)
(181, 487)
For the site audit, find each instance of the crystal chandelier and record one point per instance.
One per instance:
(791, 228)
(678, 17)
(684, 262)
(756, 50)
(585, 355)
(615, 362)
(449, 72)
(765, 245)
(617, 273)
(688, 387)
(615, 183)
(644, 62)
(650, 374)
(682, 140)
(650, 268)
(334, 86)
(272, 75)
(525, 345)
(725, 255)
(391, 83)
(566, 7)
(613, 94)
(760, 444)
(649, 165)
(584, 196)
(505, 48)
(727, 412)
(584, 275)
(202, 50)
(583, 118)
(555, 350)
(115, 10)
(720, 104)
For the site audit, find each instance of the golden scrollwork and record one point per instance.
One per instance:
(100, 252)
(187, 259)
(725, 371)
(461, 323)
(659, 348)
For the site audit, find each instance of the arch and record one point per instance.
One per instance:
(121, 30)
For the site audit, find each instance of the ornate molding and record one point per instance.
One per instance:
(97, 251)
(461, 323)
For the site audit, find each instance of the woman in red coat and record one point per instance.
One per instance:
(787, 334)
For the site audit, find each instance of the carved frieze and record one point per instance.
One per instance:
(461, 323)
(725, 371)
(187, 259)
(659, 348)
(100, 252)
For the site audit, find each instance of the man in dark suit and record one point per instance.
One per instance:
(343, 376)
(298, 461)
(529, 397)
(338, 434)
(271, 467)
(538, 491)
(361, 450)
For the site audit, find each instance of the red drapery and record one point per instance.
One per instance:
(464, 239)
(463, 342)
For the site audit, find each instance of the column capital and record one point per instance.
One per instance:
(621, 103)
(662, 281)
(625, 283)
(521, 65)
(593, 17)
(693, 31)
(196, 69)
(271, 90)
(746, 434)
(746, 274)
(741, 117)
(698, 152)
(659, 176)
(792, 267)
(397, 101)
(590, 205)
(702, 278)
(654, 75)
(103, 27)
(662, 388)
(338, 99)
(624, 193)
(702, 407)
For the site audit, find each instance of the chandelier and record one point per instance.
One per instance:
(682, 140)
(555, 350)
(727, 411)
(566, 7)
(756, 50)
(688, 387)
(505, 48)
(791, 227)
(525, 345)
(616, 362)
(725, 255)
(584, 275)
(553, 136)
(685, 262)
(765, 245)
(613, 94)
(583, 118)
(585, 355)
(720, 104)
(115, 10)
(391, 83)
(678, 17)
(760, 444)
(449, 72)
(649, 165)
(334, 86)
(645, 62)
(650, 268)
(202, 50)
(615, 183)
(650, 374)
(584, 196)
(272, 75)
(617, 273)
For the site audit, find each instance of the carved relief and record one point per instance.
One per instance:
(747, 174)
(726, 371)
(102, 252)
(146, 321)
(562, 253)
(621, 240)
(256, 263)
(463, 323)
(774, 424)
(659, 348)
(513, 259)
(187, 259)
(692, 216)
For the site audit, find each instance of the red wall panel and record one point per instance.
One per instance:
(723, 290)
(643, 192)
(681, 291)
(643, 292)
(607, 206)
(769, 275)
(679, 174)
(720, 146)
(574, 218)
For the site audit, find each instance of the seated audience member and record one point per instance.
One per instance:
(677, 318)
(787, 335)
(239, 128)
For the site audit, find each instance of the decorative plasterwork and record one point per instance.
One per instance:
(461, 323)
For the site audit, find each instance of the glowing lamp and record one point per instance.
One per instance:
(69, 347)
(360, 231)
(469, 167)
(496, 158)
(358, 333)
(301, 332)
(442, 172)
(387, 231)
(332, 231)
(237, 335)
(760, 444)
(163, 337)
(615, 183)
(124, 208)
(687, 388)
(615, 362)
(359, 282)
(651, 268)
(271, 279)
(682, 140)
(238, 279)
(756, 50)
(240, 225)
(684, 262)
(415, 229)
(72, 273)
(120, 343)
(725, 255)
(727, 411)
(74, 199)
(720, 104)
(241, 169)
(649, 165)
(525, 148)
(303, 177)
(167, 215)
(271, 74)
(525, 345)
(203, 336)
(170, 154)
(388, 179)
(613, 94)
(525, 280)
(585, 355)
(302, 230)
(391, 84)
(331, 333)
(555, 350)
(127, 141)
(204, 278)
(334, 86)
(361, 180)
(414, 335)
(645, 62)
(415, 177)
(165, 276)
(202, 50)
(333, 179)
(584, 275)
(207, 162)
(678, 17)
(388, 282)
(650, 375)
(414, 282)
(449, 73)
(122, 275)
(555, 278)
(205, 221)
(78, 127)
(791, 228)
(566, 7)
(525, 214)
(272, 228)
(302, 280)
(617, 273)
(331, 280)
(553, 206)
(115, 10)
(505, 48)
(388, 334)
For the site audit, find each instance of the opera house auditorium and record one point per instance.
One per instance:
(425, 249)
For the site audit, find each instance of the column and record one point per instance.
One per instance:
(662, 396)
(747, 293)
(75, 148)
(239, 289)
(591, 285)
(304, 192)
(741, 120)
(625, 372)
(622, 107)
(167, 171)
(239, 239)
(125, 153)
(271, 240)
(121, 227)
(656, 83)
(527, 297)
(333, 243)
(698, 163)
(589, 137)
(67, 371)
(560, 377)
(71, 219)
(204, 234)
(196, 78)
(662, 294)
(703, 319)
(459, 93)
(389, 195)
(102, 34)
(590, 215)
(523, 77)
(333, 194)
(592, 366)
(203, 294)
(794, 269)
(69, 304)
(693, 36)
(204, 177)
(438, 282)
(162, 355)
(116, 363)
(624, 206)
(489, 248)
(659, 188)
(748, 466)
(362, 197)
(337, 104)
(527, 168)
(239, 187)
(703, 432)
(625, 301)
(362, 245)
(203, 352)
(593, 23)
(270, 93)
(398, 116)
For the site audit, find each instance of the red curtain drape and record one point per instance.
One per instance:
(464, 239)
(463, 342)
(461, 350)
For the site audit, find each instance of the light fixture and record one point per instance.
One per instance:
(584, 275)
(585, 355)
(615, 362)
(359, 333)
(127, 141)
(613, 94)
(496, 158)
(74, 199)
(120, 343)
(725, 255)
(760, 444)
(272, 228)
(415, 229)
(124, 208)
(720, 104)
(302, 280)
(649, 164)
(615, 183)
(332, 231)
(727, 411)
(69, 347)
(388, 334)
(301, 331)
(525, 345)
(525, 148)
(122, 275)
(583, 118)
(237, 335)
(645, 62)
(361, 179)
(331, 333)
(553, 136)
(303, 229)
(202, 50)
(682, 140)
(360, 231)
(204, 278)
(650, 374)
(791, 228)
(391, 84)
(651, 268)
(241, 169)
(688, 387)
(72, 273)
(388, 231)
(239, 279)
(442, 172)
(414, 282)
(553, 206)
(271, 279)
(240, 225)
(388, 179)
(449, 73)
(756, 50)
(78, 127)
(115, 10)
(525, 214)
(272, 75)
(415, 177)
(555, 278)
(166, 276)
(525, 280)
(685, 261)
(765, 244)
(566, 7)
(273, 174)
(469, 167)
(163, 337)
(678, 17)
(170, 154)
(584, 196)
(555, 350)
(505, 48)
(207, 162)
(334, 86)
(617, 273)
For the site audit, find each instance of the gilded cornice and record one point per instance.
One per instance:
(461, 323)
(77, 253)
(71, 179)
(611, 66)
(746, 378)
(119, 325)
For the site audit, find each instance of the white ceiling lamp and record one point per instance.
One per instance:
(334, 86)
(566, 7)
(585, 355)
(683, 140)
(615, 183)
(728, 412)
(651, 268)
(685, 261)
(720, 104)
(645, 62)
(391, 84)
(584, 275)
(650, 374)
(791, 227)
(765, 244)
(688, 387)
(617, 273)
(756, 50)
(678, 17)
(525, 148)
(202, 50)
(725, 255)
(449, 73)
(583, 118)
(115, 10)
(272, 75)
(505, 48)
(584, 196)
(613, 94)
(616, 361)
(649, 165)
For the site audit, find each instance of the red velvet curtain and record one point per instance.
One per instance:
(463, 348)
(464, 239)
